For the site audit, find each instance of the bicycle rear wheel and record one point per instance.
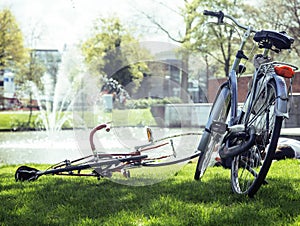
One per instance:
(249, 169)
(210, 140)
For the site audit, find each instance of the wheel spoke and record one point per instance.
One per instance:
(250, 168)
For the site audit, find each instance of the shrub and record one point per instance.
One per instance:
(147, 103)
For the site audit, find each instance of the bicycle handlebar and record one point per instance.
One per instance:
(220, 15)
(94, 130)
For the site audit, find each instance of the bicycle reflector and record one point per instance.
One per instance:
(284, 71)
(149, 135)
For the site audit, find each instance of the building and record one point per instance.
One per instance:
(164, 79)
(7, 90)
(49, 58)
(294, 104)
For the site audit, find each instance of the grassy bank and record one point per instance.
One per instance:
(16, 120)
(128, 117)
(8, 119)
(178, 201)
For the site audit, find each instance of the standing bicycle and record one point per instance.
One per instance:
(246, 140)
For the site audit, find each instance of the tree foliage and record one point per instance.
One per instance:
(12, 51)
(113, 52)
(220, 42)
(283, 15)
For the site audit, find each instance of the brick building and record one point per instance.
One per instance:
(294, 114)
(213, 85)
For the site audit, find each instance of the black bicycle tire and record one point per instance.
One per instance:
(259, 178)
(268, 161)
(197, 175)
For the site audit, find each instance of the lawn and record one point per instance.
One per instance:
(8, 119)
(127, 117)
(13, 120)
(53, 200)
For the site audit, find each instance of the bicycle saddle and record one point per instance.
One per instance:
(267, 39)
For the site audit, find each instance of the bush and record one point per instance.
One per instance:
(147, 103)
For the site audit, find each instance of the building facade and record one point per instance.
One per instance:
(48, 58)
(294, 102)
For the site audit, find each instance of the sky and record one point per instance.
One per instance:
(61, 22)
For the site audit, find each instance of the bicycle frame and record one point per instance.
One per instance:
(105, 164)
(282, 105)
(228, 88)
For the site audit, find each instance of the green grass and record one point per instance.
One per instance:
(54, 200)
(8, 119)
(133, 117)
(13, 119)
(127, 117)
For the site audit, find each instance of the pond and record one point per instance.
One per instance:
(42, 147)
(37, 147)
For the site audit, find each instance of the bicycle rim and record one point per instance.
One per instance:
(249, 169)
(219, 113)
(205, 157)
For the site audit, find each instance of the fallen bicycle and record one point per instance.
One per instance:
(101, 164)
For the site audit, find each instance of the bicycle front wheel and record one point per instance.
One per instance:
(249, 169)
(210, 140)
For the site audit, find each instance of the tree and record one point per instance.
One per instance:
(12, 51)
(217, 42)
(108, 51)
(221, 42)
(191, 20)
(283, 15)
(30, 75)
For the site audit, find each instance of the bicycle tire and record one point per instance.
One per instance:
(211, 140)
(249, 169)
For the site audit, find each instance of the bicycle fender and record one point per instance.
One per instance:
(281, 109)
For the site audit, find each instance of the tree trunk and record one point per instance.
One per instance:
(30, 110)
(184, 95)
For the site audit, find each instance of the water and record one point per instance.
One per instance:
(55, 112)
(37, 147)
(42, 147)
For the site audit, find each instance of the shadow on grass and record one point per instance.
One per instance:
(54, 200)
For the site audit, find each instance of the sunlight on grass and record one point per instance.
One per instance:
(133, 117)
(125, 117)
(178, 200)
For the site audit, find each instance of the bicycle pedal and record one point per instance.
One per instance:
(218, 127)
